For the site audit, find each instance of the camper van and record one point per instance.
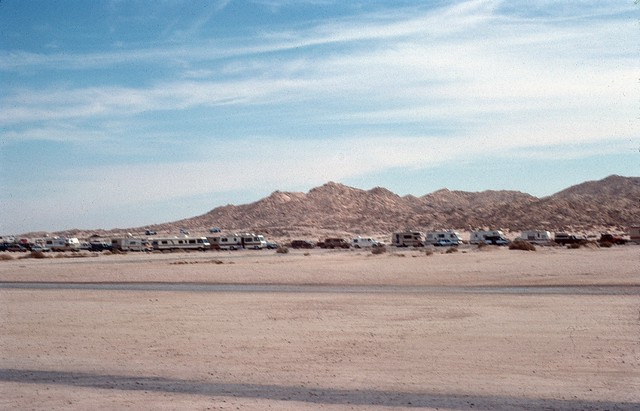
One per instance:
(364, 242)
(128, 244)
(180, 243)
(62, 244)
(407, 239)
(443, 238)
(536, 237)
(496, 237)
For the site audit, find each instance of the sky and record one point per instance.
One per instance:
(126, 113)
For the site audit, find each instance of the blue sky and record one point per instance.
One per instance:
(126, 113)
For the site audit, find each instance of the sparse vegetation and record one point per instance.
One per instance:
(606, 244)
(522, 245)
(429, 252)
(451, 250)
(379, 250)
(282, 250)
(6, 257)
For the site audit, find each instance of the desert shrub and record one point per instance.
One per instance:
(6, 257)
(606, 244)
(282, 250)
(451, 250)
(37, 254)
(522, 245)
(429, 252)
(573, 246)
(379, 250)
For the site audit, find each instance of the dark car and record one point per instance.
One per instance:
(612, 239)
(336, 243)
(100, 246)
(16, 248)
(301, 244)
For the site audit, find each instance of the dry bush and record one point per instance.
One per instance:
(37, 254)
(573, 246)
(429, 252)
(378, 250)
(6, 257)
(522, 245)
(606, 244)
(282, 250)
(451, 250)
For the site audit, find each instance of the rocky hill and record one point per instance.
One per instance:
(612, 203)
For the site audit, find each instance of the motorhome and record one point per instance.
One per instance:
(536, 237)
(128, 244)
(496, 237)
(634, 233)
(180, 243)
(364, 242)
(444, 237)
(250, 240)
(407, 239)
(62, 244)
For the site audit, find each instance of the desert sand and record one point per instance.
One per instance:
(494, 329)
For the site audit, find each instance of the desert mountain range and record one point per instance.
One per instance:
(612, 203)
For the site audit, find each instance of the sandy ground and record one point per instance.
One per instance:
(334, 330)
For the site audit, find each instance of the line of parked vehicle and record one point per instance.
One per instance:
(236, 241)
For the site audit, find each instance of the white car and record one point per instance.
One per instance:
(366, 242)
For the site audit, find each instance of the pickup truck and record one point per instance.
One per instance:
(612, 239)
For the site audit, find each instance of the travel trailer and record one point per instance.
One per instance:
(250, 240)
(536, 237)
(634, 233)
(180, 243)
(62, 244)
(444, 237)
(407, 239)
(128, 244)
(364, 242)
(496, 237)
(226, 242)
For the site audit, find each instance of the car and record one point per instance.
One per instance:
(335, 243)
(40, 248)
(301, 244)
(214, 230)
(4, 246)
(443, 242)
(100, 246)
(16, 248)
(364, 242)
(272, 246)
(150, 232)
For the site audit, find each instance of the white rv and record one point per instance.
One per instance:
(407, 239)
(536, 237)
(180, 243)
(128, 244)
(250, 240)
(226, 242)
(444, 237)
(364, 242)
(496, 237)
(62, 244)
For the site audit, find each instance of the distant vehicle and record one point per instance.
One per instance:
(129, 244)
(214, 230)
(408, 239)
(435, 237)
(634, 233)
(565, 238)
(364, 242)
(100, 246)
(495, 237)
(301, 244)
(272, 246)
(253, 241)
(40, 248)
(62, 244)
(444, 242)
(150, 232)
(539, 237)
(4, 246)
(612, 239)
(335, 243)
(181, 243)
(16, 248)
(184, 231)
(226, 242)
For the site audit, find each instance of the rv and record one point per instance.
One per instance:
(634, 233)
(407, 239)
(62, 244)
(496, 237)
(445, 237)
(180, 243)
(250, 240)
(128, 244)
(226, 242)
(536, 237)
